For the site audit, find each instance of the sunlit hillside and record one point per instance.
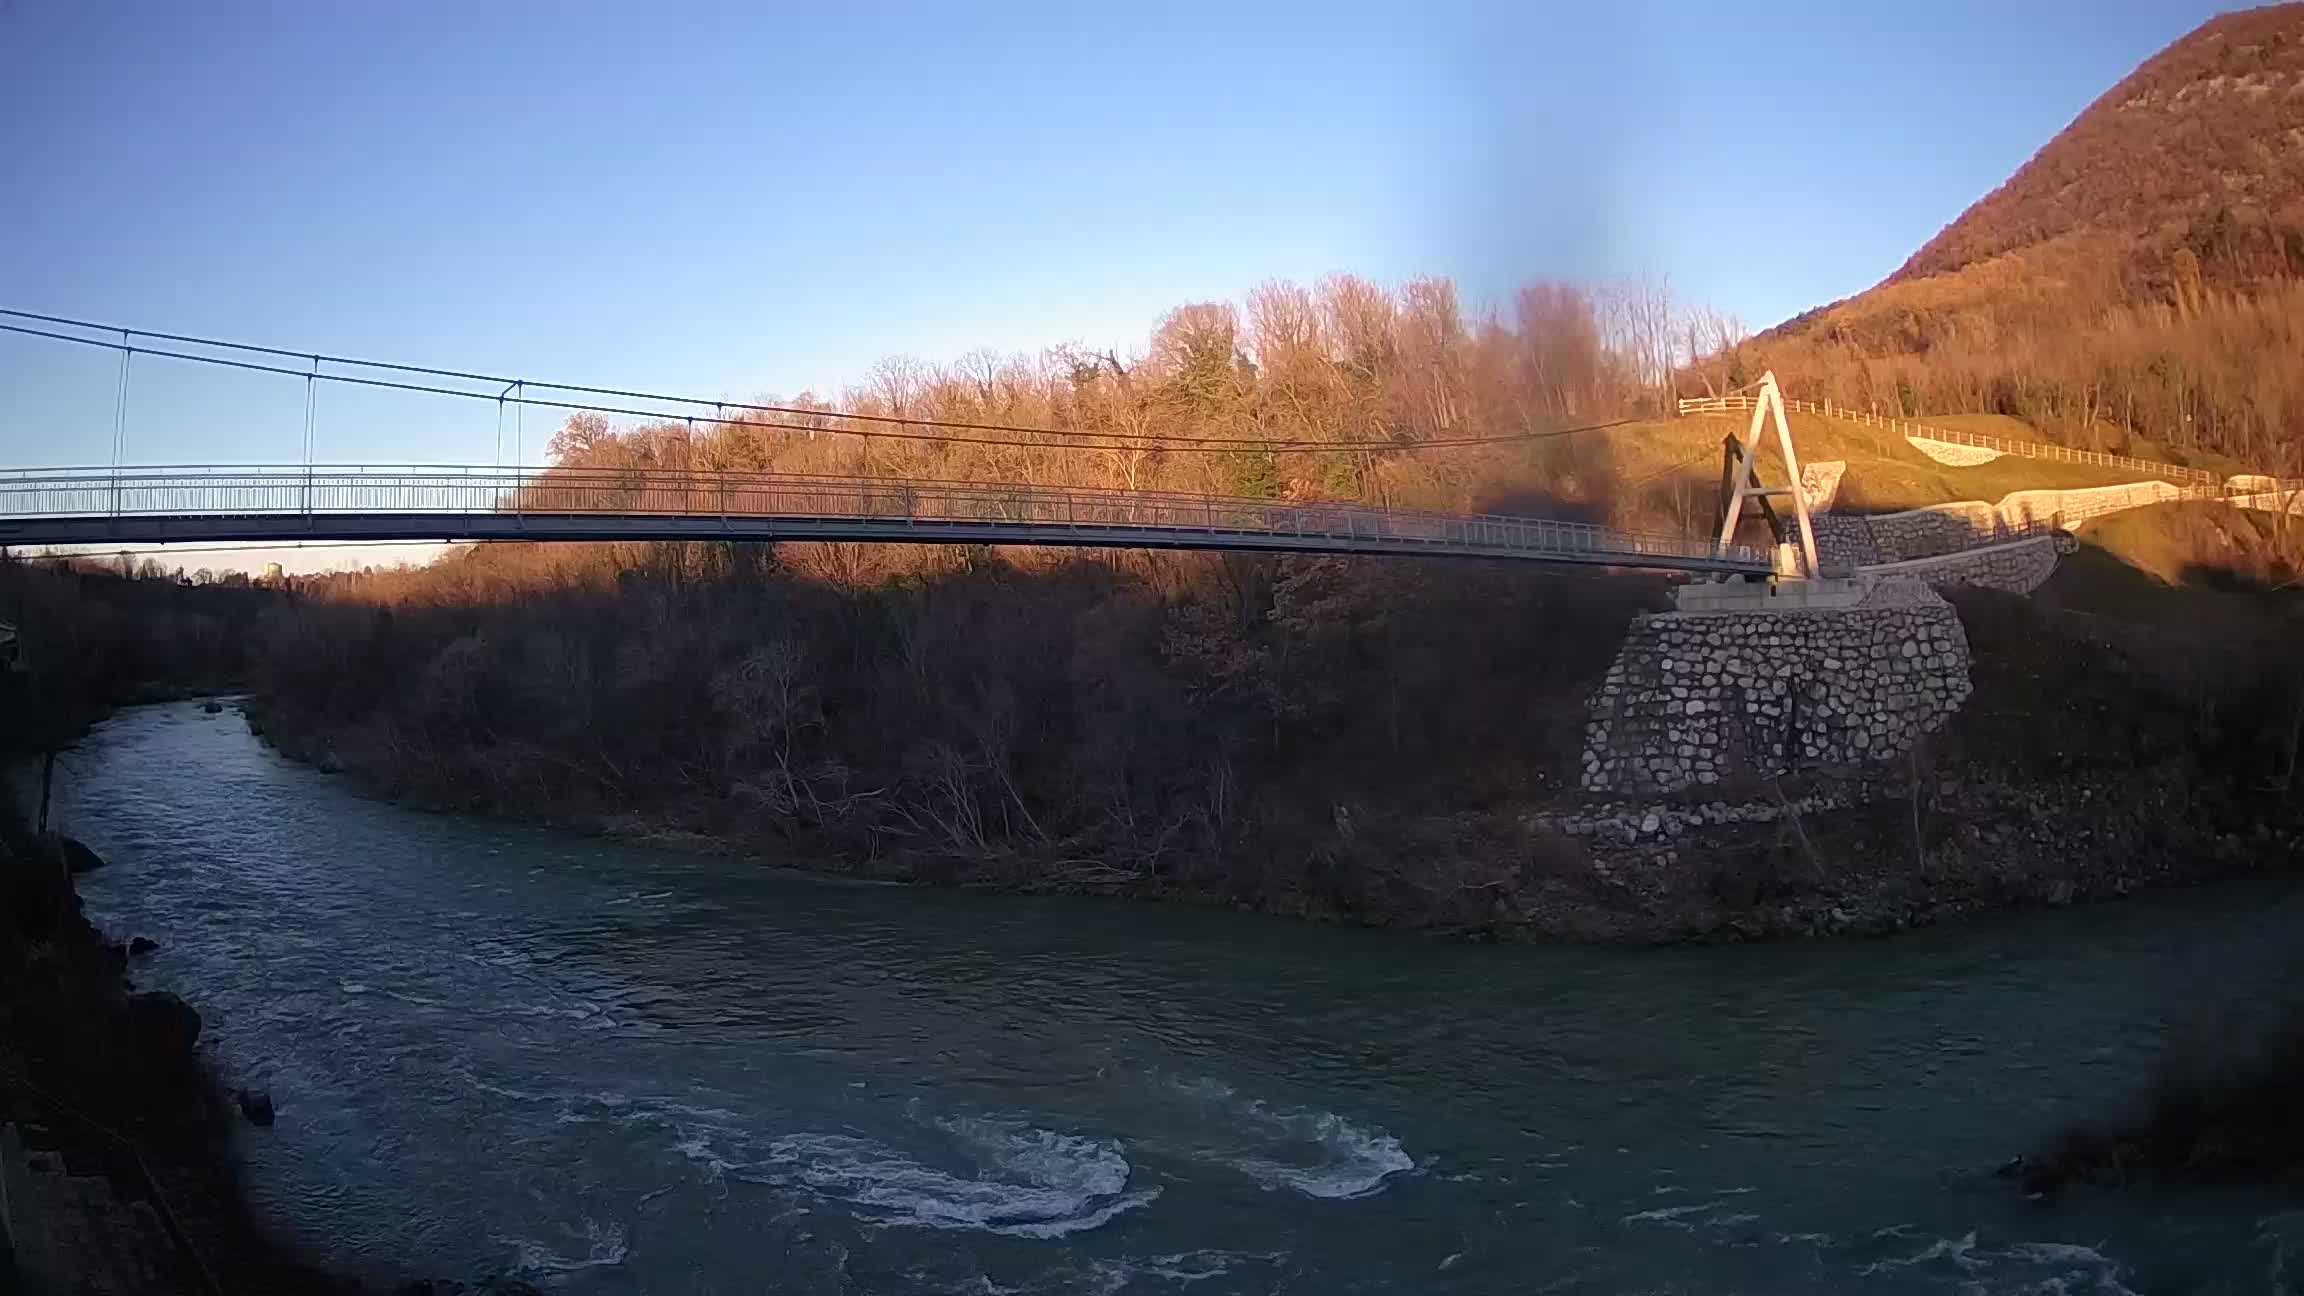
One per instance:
(2136, 279)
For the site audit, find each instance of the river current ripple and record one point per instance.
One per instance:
(617, 1069)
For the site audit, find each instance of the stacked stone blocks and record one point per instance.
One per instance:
(1698, 700)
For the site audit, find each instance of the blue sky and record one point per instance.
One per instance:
(741, 198)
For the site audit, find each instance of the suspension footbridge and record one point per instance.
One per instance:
(290, 504)
(125, 503)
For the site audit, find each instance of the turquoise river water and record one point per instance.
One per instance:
(619, 1070)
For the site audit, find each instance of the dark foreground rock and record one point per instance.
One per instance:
(120, 1134)
(255, 1104)
(166, 1026)
(108, 1088)
(2220, 1112)
(78, 857)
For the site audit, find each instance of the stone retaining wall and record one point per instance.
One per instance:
(1844, 541)
(1937, 529)
(1928, 532)
(1697, 700)
(2272, 502)
(2018, 568)
(2034, 507)
(1627, 822)
(2077, 506)
(1857, 540)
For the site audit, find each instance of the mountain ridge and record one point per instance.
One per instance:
(2221, 98)
(2140, 276)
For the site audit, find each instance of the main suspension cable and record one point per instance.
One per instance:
(1091, 439)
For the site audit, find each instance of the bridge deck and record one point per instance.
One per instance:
(79, 506)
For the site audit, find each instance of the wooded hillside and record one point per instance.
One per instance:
(2136, 279)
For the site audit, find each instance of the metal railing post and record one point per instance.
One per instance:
(120, 420)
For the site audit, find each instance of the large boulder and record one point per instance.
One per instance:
(166, 1023)
(77, 856)
(33, 893)
(255, 1104)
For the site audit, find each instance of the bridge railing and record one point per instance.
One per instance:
(319, 492)
(1954, 436)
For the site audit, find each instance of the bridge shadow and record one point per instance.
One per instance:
(2145, 565)
(2111, 664)
(1570, 479)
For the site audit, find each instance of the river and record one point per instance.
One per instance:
(629, 1070)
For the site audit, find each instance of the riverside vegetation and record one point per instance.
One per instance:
(1360, 739)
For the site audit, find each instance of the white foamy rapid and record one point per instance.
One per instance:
(2017, 1268)
(1899, 1251)
(1674, 1215)
(1029, 1182)
(1180, 1271)
(603, 1246)
(1316, 1153)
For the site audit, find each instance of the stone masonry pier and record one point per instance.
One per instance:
(1701, 699)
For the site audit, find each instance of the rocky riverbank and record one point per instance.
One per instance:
(117, 1140)
(1878, 855)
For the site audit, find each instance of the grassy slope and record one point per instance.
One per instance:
(2191, 570)
(1668, 470)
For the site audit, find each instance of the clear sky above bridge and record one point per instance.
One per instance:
(741, 198)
